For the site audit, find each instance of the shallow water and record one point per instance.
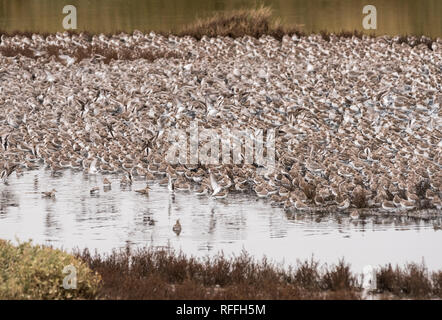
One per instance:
(393, 16)
(119, 217)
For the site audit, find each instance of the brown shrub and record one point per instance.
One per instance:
(163, 274)
(339, 278)
(437, 283)
(412, 281)
(239, 23)
(307, 275)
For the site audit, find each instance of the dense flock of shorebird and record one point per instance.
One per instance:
(358, 121)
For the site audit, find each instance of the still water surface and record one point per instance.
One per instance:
(393, 16)
(113, 219)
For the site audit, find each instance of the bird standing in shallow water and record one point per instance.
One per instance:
(94, 190)
(49, 194)
(144, 191)
(93, 167)
(126, 180)
(170, 185)
(177, 227)
(106, 182)
(151, 221)
(378, 144)
(7, 172)
(214, 184)
(354, 214)
(344, 204)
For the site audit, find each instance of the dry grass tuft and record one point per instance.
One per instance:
(239, 23)
(412, 281)
(339, 278)
(307, 275)
(437, 283)
(163, 274)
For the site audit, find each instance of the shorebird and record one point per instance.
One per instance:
(181, 185)
(201, 190)
(388, 205)
(214, 184)
(150, 221)
(261, 191)
(144, 191)
(437, 202)
(177, 227)
(345, 204)
(354, 214)
(221, 194)
(170, 185)
(283, 192)
(49, 194)
(7, 172)
(407, 205)
(241, 187)
(94, 190)
(330, 140)
(106, 182)
(397, 201)
(93, 167)
(126, 179)
(298, 203)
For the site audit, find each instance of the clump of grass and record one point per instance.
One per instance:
(36, 272)
(325, 35)
(437, 283)
(164, 274)
(307, 275)
(339, 278)
(414, 280)
(239, 23)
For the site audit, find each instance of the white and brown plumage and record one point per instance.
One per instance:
(177, 227)
(49, 194)
(216, 188)
(354, 214)
(106, 182)
(94, 190)
(7, 172)
(345, 204)
(344, 133)
(221, 195)
(144, 191)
